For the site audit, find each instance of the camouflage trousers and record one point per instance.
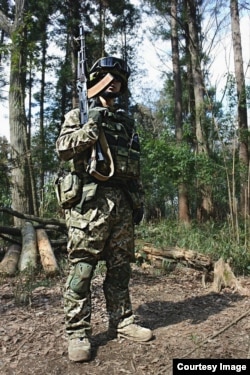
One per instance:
(100, 229)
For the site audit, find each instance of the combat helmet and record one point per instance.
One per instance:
(114, 66)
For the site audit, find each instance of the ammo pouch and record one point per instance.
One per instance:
(127, 162)
(88, 192)
(68, 189)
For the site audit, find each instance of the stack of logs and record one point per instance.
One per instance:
(35, 243)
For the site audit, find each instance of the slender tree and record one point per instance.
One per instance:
(205, 208)
(16, 29)
(183, 203)
(242, 108)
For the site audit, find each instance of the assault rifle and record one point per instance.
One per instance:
(82, 75)
(101, 147)
(82, 78)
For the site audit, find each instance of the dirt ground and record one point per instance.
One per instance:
(187, 319)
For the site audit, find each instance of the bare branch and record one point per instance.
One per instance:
(58, 222)
(5, 23)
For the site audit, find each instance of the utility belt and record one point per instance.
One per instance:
(72, 191)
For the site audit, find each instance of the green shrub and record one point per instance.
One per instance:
(213, 239)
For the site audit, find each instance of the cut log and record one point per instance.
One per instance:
(28, 258)
(223, 274)
(47, 256)
(190, 257)
(9, 263)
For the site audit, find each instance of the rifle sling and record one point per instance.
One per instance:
(100, 86)
(107, 153)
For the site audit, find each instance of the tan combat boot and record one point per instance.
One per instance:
(135, 332)
(79, 349)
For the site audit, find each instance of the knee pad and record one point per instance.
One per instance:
(81, 277)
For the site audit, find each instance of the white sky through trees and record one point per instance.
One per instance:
(154, 59)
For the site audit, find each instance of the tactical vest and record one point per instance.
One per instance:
(123, 143)
(77, 186)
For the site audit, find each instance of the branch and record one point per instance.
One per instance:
(5, 23)
(58, 222)
(12, 231)
(236, 320)
(9, 239)
(209, 338)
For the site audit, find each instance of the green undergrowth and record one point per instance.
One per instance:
(213, 239)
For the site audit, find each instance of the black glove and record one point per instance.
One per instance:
(138, 215)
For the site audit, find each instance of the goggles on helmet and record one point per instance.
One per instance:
(111, 63)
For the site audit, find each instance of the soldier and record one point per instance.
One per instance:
(105, 202)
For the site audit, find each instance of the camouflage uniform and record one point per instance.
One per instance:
(100, 225)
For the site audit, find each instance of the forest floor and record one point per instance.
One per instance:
(188, 321)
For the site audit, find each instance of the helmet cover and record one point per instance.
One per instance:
(113, 65)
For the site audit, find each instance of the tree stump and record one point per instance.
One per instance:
(225, 278)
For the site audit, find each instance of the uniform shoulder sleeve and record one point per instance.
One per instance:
(74, 138)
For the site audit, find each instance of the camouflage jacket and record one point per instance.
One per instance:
(75, 142)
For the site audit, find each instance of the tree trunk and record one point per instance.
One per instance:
(18, 134)
(32, 185)
(182, 189)
(242, 108)
(205, 205)
(183, 203)
(74, 20)
(15, 29)
(42, 132)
